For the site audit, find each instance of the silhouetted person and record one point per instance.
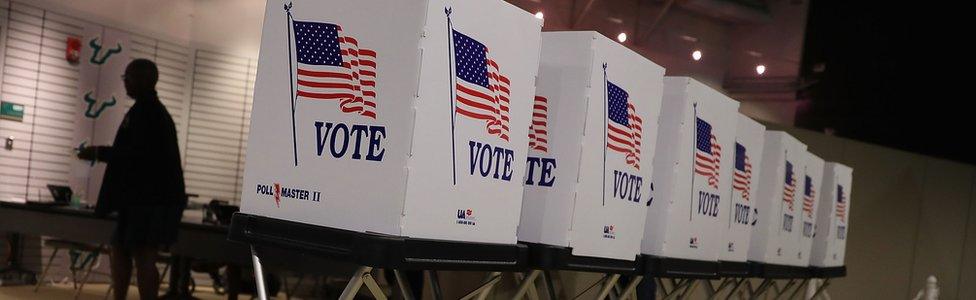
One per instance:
(143, 182)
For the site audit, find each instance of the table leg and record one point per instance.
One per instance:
(259, 275)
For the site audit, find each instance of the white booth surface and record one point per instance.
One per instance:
(812, 181)
(693, 169)
(830, 238)
(775, 237)
(406, 118)
(592, 142)
(738, 213)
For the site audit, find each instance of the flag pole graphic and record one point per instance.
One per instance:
(606, 106)
(450, 67)
(804, 189)
(291, 82)
(694, 148)
(735, 160)
(781, 217)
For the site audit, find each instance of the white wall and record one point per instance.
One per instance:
(205, 85)
(231, 26)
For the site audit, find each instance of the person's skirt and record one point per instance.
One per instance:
(147, 225)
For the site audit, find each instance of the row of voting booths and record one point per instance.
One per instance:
(455, 135)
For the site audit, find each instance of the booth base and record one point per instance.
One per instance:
(774, 271)
(549, 257)
(376, 250)
(734, 269)
(828, 272)
(665, 267)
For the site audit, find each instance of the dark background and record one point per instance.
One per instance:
(890, 74)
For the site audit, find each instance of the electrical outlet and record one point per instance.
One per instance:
(9, 143)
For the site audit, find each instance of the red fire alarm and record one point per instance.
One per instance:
(73, 50)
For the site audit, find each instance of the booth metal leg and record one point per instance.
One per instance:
(402, 285)
(258, 275)
(761, 289)
(435, 285)
(786, 288)
(822, 289)
(482, 291)
(528, 282)
(631, 288)
(735, 287)
(373, 287)
(550, 288)
(801, 286)
(725, 283)
(360, 278)
(679, 288)
(663, 289)
(607, 286)
(691, 287)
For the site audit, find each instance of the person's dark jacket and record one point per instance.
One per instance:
(144, 166)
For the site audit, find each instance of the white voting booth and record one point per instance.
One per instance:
(405, 118)
(776, 236)
(692, 172)
(830, 239)
(739, 212)
(811, 184)
(591, 146)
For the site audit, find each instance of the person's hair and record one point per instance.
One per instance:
(144, 69)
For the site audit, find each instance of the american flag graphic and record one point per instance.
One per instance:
(708, 153)
(789, 186)
(809, 196)
(624, 126)
(539, 130)
(841, 209)
(742, 178)
(482, 91)
(332, 66)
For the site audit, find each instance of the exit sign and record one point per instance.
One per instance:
(11, 111)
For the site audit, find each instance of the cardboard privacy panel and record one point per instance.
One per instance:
(776, 235)
(811, 189)
(399, 117)
(591, 145)
(833, 213)
(739, 213)
(692, 172)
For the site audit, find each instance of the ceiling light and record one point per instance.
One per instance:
(760, 69)
(622, 37)
(539, 15)
(696, 55)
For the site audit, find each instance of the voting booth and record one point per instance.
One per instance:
(739, 210)
(833, 214)
(776, 236)
(592, 142)
(811, 183)
(409, 126)
(693, 168)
